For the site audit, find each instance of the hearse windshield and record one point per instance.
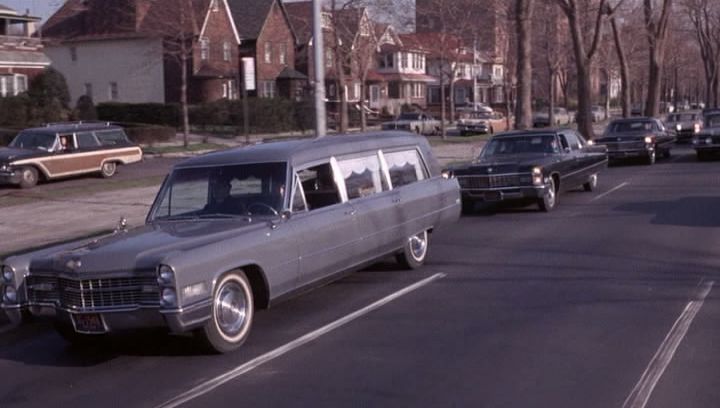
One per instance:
(712, 121)
(223, 192)
(501, 146)
(33, 140)
(636, 126)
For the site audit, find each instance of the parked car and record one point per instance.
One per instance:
(707, 142)
(65, 149)
(420, 123)
(470, 122)
(541, 118)
(598, 113)
(237, 230)
(686, 125)
(637, 138)
(530, 165)
(636, 110)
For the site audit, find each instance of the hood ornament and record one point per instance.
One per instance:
(490, 170)
(121, 226)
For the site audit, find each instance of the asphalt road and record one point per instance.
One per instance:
(609, 301)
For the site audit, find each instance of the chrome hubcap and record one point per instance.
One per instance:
(231, 308)
(551, 194)
(28, 176)
(593, 180)
(418, 245)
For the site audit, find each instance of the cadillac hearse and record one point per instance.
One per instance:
(66, 149)
(240, 229)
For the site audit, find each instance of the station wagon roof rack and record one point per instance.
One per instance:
(79, 123)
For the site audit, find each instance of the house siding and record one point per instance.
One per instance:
(136, 66)
(275, 32)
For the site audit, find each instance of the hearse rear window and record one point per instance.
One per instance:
(405, 167)
(112, 137)
(363, 176)
(319, 186)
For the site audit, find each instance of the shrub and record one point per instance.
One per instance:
(7, 135)
(85, 108)
(15, 111)
(49, 88)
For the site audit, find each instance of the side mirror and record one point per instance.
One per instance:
(567, 150)
(286, 215)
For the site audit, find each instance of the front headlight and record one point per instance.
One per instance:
(168, 298)
(166, 275)
(648, 139)
(8, 275)
(696, 128)
(9, 294)
(678, 127)
(537, 177)
(446, 174)
(708, 140)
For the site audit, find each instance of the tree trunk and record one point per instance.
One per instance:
(452, 98)
(625, 101)
(652, 104)
(551, 96)
(183, 96)
(363, 115)
(523, 108)
(443, 117)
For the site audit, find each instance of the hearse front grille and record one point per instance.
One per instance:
(89, 294)
(484, 182)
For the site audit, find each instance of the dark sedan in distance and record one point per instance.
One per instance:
(707, 142)
(530, 165)
(643, 138)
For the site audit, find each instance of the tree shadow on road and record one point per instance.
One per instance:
(687, 211)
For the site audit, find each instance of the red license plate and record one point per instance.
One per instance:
(89, 323)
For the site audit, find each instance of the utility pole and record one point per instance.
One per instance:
(474, 72)
(318, 54)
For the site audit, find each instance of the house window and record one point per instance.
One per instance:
(88, 89)
(404, 59)
(283, 53)
(267, 89)
(418, 91)
(226, 51)
(357, 90)
(268, 53)
(328, 58)
(6, 85)
(386, 61)
(113, 91)
(204, 49)
(21, 83)
(73, 54)
(214, 6)
(326, 21)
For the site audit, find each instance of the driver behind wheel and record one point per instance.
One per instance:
(220, 200)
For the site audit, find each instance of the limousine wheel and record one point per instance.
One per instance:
(414, 252)
(232, 314)
(549, 199)
(650, 160)
(591, 184)
(108, 169)
(28, 177)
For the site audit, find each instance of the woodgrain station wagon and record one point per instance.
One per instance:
(237, 230)
(66, 149)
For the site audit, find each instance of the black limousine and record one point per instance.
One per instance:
(530, 165)
(643, 138)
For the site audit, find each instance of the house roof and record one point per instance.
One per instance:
(289, 73)
(300, 17)
(250, 16)
(6, 10)
(103, 19)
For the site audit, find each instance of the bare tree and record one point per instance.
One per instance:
(656, 24)
(523, 109)
(625, 101)
(584, 54)
(704, 16)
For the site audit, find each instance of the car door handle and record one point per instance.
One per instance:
(396, 200)
(351, 212)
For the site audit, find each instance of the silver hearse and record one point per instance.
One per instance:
(237, 230)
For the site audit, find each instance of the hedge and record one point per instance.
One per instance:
(150, 113)
(266, 115)
(148, 134)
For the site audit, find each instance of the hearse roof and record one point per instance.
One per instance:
(298, 152)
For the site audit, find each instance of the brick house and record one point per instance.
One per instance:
(21, 54)
(133, 50)
(267, 48)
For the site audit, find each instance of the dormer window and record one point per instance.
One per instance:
(326, 21)
(214, 5)
(226, 51)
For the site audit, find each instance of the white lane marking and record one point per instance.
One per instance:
(640, 395)
(618, 187)
(212, 384)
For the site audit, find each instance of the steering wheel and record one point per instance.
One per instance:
(263, 206)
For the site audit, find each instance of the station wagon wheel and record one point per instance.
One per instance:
(28, 177)
(414, 252)
(549, 199)
(232, 314)
(108, 169)
(591, 184)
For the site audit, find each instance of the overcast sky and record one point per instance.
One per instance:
(39, 8)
